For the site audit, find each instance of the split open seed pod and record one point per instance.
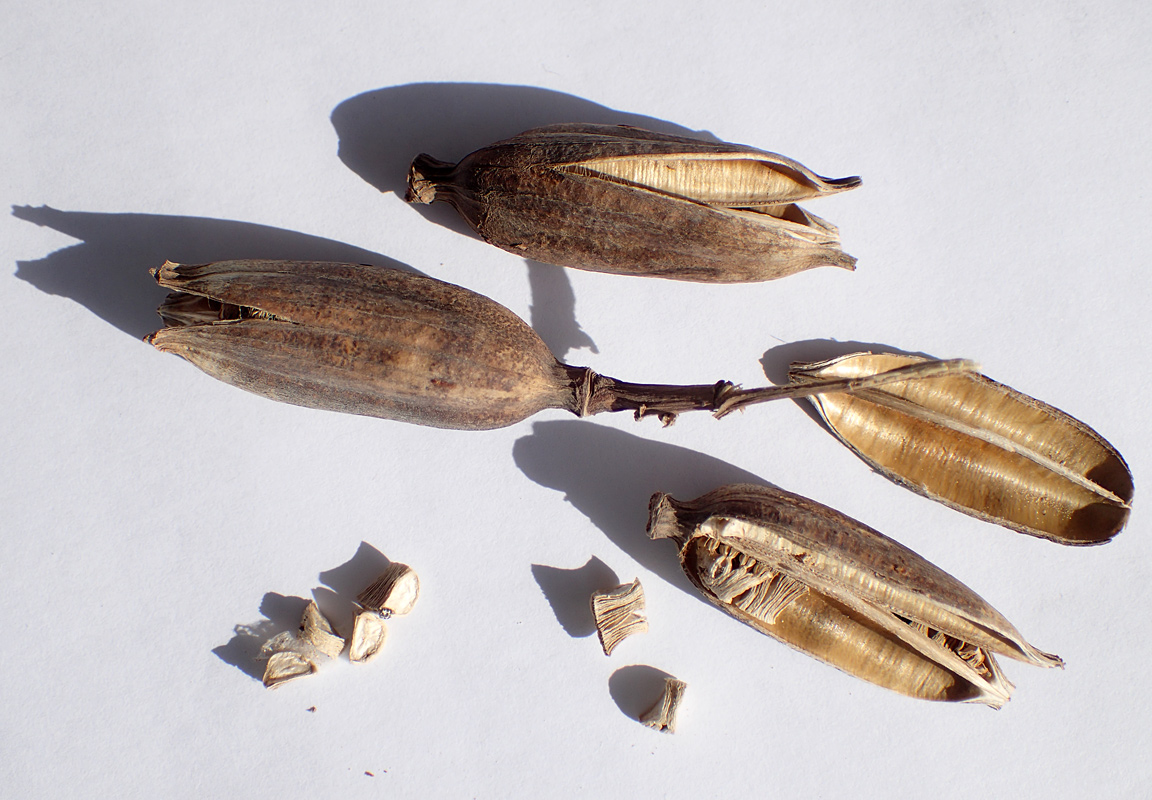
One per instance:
(979, 447)
(842, 592)
(611, 198)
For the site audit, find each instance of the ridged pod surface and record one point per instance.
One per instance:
(362, 340)
(841, 592)
(611, 198)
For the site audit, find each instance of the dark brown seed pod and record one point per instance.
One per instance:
(842, 592)
(387, 343)
(980, 447)
(624, 200)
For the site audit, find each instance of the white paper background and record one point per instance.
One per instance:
(147, 510)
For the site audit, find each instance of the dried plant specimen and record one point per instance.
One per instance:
(840, 591)
(386, 343)
(393, 593)
(368, 635)
(612, 198)
(979, 447)
(619, 613)
(662, 715)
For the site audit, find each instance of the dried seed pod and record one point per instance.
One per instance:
(612, 198)
(662, 715)
(386, 343)
(368, 634)
(619, 613)
(834, 588)
(285, 666)
(393, 593)
(979, 447)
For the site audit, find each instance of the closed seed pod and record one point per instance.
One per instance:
(388, 343)
(979, 447)
(612, 198)
(840, 591)
(360, 339)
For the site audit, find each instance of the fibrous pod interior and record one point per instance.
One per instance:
(842, 592)
(980, 447)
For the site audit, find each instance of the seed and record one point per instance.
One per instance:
(286, 666)
(393, 593)
(838, 590)
(979, 447)
(368, 634)
(662, 715)
(619, 613)
(387, 343)
(294, 654)
(618, 199)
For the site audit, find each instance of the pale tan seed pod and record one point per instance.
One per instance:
(619, 613)
(387, 343)
(979, 447)
(393, 593)
(612, 198)
(838, 590)
(662, 715)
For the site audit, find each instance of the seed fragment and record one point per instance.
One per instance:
(980, 447)
(838, 590)
(294, 654)
(286, 666)
(662, 715)
(316, 631)
(393, 593)
(619, 613)
(368, 634)
(612, 198)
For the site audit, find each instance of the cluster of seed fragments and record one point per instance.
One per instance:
(388, 343)
(295, 654)
(619, 613)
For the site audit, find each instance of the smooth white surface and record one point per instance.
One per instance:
(147, 509)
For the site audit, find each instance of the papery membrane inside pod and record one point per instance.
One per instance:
(980, 447)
